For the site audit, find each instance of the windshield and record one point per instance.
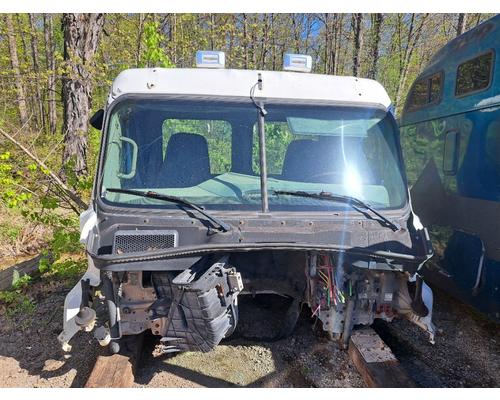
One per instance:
(207, 152)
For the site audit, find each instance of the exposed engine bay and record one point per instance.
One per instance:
(194, 309)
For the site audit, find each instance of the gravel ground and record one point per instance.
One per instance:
(466, 353)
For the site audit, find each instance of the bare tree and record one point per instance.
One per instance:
(140, 30)
(253, 39)
(329, 50)
(82, 33)
(331, 41)
(14, 62)
(357, 21)
(462, 23)
(297, 30)
(51, 67)
(36, 69)
(339, 31)
(376, 20)
(245, 41)
(414, 32)
(264, 41)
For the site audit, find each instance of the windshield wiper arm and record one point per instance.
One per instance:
(218, 223)
(352, 201)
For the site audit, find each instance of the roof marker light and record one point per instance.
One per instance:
(297, 62)
(210, 59)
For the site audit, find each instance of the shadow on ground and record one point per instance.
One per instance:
(466, 353)
(30, 354)
(251, 358)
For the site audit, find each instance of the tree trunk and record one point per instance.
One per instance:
(81, 39)
(25, 68)
(51, 67)
(264, 42)
(357, 20)
(377, 20)
(212, 31)
(339, 31)
(478, 20)
(22, 34)
(36, 70)
(139, 40)
(253, 38)
(297, 30)
(336, 37)
(327, 45)
(412, 41)
(462, 22)
(245, 42)
(231, 20)
(14, 62)
(273, 44)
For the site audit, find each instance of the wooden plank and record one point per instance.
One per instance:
(375, 361)
(27, 267)
(117, 370)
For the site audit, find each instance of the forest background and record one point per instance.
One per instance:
(56, 70)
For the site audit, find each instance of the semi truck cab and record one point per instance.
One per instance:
(217, 183)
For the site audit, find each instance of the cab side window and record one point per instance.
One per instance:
(425, 92)
(474, 75)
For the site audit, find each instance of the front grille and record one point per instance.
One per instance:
(140, 241)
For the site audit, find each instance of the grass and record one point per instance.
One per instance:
(64, 263)
(17, 303)
(9, 232)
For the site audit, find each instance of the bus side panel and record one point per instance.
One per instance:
(461, 205)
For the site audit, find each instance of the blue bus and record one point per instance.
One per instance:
(450, 129)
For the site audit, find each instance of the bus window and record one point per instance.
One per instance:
(418, 96)
(450, 157)
(474, 75)
(434, 88)
(425, 92)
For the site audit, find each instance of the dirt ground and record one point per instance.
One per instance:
(466, 353)
(300, 360)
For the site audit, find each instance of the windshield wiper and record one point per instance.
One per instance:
(352, 201)
(216, 222)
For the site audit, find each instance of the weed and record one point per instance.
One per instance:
(64, 260)
(20, 282)
(9, 233)
(68, 269)
(17, 303)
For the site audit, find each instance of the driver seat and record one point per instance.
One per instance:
(300, 162)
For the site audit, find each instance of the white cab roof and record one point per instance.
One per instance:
(235, 82)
